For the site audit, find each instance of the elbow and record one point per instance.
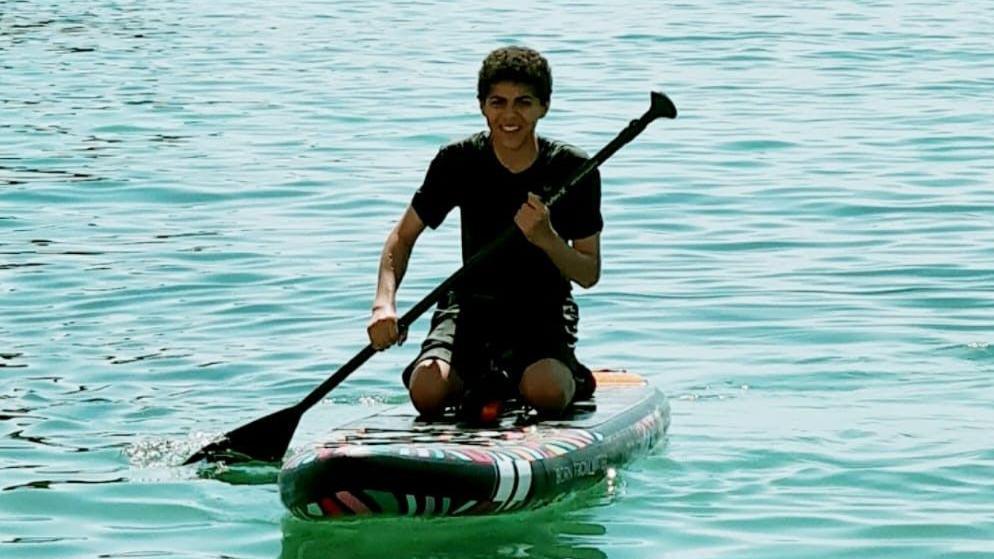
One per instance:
(592, 276)
(589, 281)
(587, 271)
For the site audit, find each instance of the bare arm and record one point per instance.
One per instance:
(580, 262)
(396, 253)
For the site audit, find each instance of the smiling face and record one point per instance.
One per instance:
(512, 110)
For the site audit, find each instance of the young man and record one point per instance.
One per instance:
(514, 318)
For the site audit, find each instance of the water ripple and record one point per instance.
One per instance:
(193, 199)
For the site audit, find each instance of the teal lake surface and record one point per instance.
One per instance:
(193, 197)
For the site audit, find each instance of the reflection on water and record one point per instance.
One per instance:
(550, 532)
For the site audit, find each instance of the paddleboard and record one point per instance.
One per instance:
(392, 463)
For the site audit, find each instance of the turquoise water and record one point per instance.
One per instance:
(193, 197)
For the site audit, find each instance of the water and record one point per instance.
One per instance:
(193, 197)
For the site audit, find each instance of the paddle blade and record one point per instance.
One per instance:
(662, 106)
(265, 439)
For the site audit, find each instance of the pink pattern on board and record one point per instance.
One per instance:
(350, 501)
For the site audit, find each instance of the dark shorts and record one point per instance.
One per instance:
(480, 338)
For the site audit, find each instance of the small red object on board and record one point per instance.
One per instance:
(490, 411)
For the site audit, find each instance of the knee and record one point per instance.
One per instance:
(431, 386)
(547, 385)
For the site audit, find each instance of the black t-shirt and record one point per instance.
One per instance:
(466, 174)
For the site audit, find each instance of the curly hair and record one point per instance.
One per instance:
(515, 64)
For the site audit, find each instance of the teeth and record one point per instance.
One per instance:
(510, 128)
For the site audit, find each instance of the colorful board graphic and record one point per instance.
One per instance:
(393, 463)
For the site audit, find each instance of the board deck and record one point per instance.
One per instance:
(392, 463)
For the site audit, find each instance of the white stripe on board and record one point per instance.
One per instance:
(465, 507)
(412, 505)
(524, 481)
(429, 505)
(505, 479)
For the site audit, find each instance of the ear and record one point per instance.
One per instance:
(545, 109)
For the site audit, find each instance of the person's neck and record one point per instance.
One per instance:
(517, 160)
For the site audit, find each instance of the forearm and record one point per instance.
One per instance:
(584, 269)
(393, 260)
(393, 266)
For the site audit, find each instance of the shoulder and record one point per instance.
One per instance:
(559, 152)
(562, 151)
(562, 158)
(465, 147)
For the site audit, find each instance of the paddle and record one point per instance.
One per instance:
(267, 438)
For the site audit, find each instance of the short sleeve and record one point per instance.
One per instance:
(580, 211)
(437, 196)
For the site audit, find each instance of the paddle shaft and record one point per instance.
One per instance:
(634, 128)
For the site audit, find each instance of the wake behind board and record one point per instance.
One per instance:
(390, 463)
